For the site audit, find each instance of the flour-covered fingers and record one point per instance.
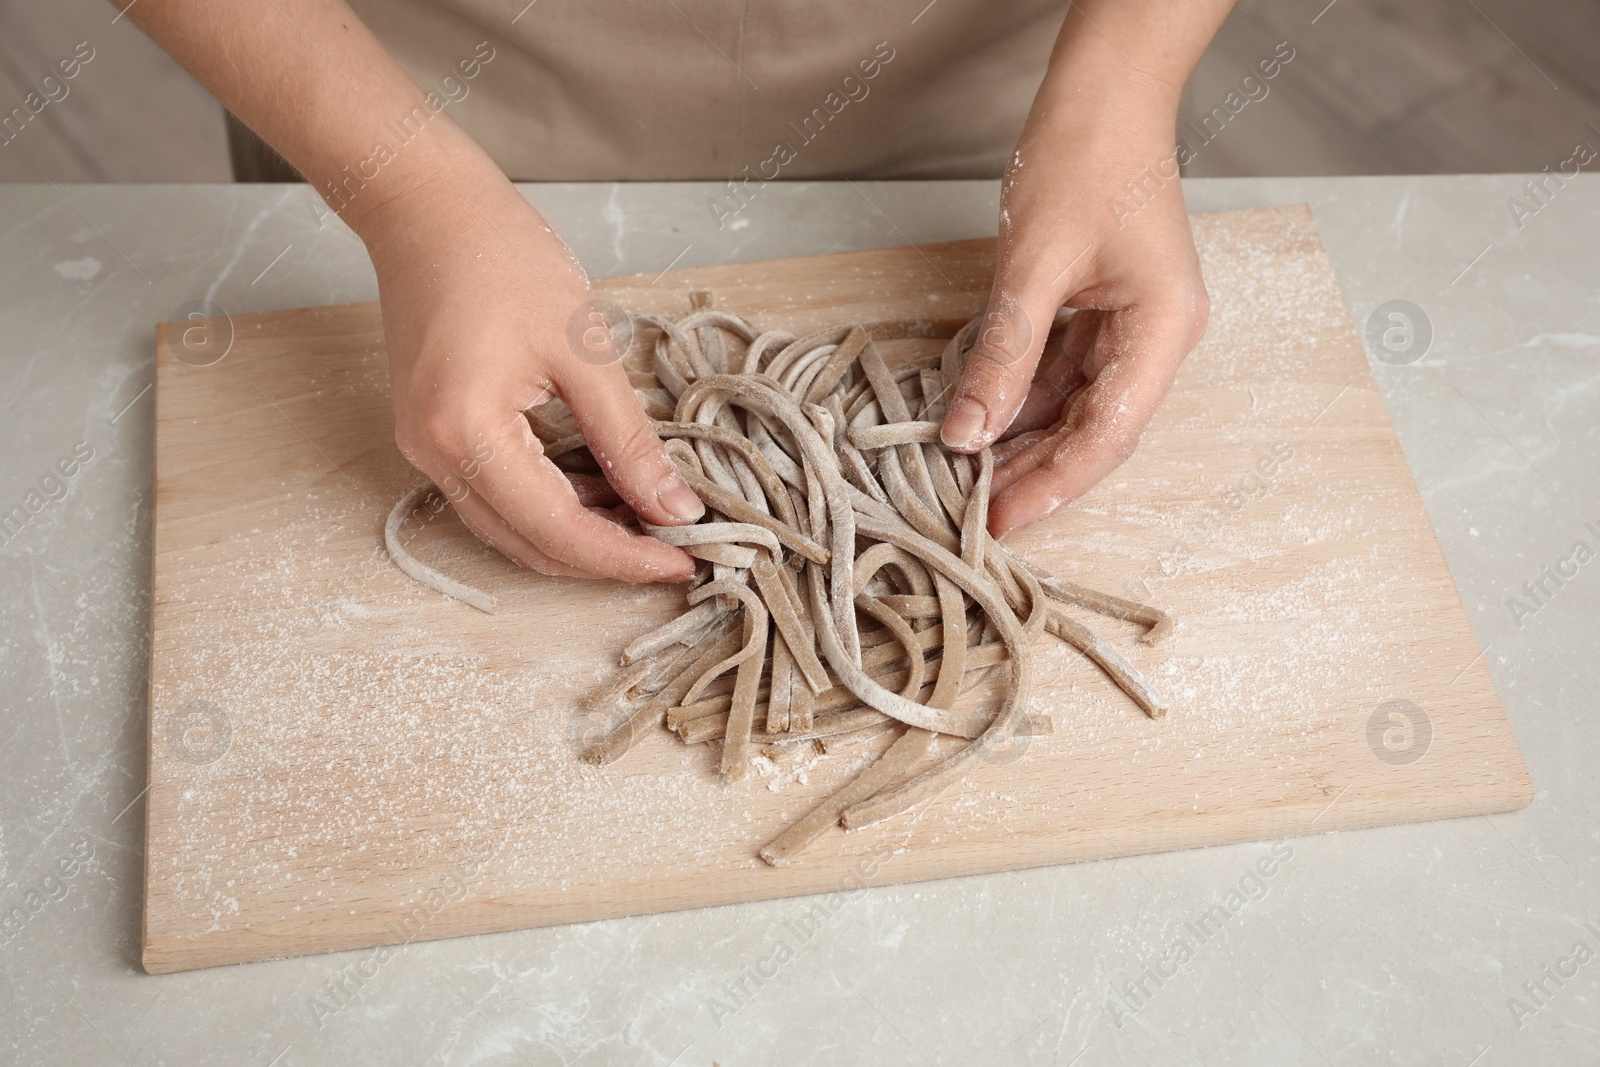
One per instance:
(493, 531)
(534, 499)
(1137, 352)
(999, 368)
(1055, 387)
(625, 445)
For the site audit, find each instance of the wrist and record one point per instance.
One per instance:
(392, 189)
(1139, 50)
(1103, 100)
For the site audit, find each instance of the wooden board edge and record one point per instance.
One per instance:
(168, 956)
(163, 360)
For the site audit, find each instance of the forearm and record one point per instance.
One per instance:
(1143, 48)
(314, 83)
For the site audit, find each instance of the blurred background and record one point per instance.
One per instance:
(1374, 87)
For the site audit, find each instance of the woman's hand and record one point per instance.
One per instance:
(477, 291)
(1092, 218)
(478, 296)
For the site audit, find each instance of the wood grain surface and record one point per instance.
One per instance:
(341, 759)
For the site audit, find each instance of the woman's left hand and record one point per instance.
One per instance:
(1092, 218)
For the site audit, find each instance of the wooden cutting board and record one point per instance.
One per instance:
(341, 758)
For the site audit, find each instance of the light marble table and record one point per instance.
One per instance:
(1403, 945)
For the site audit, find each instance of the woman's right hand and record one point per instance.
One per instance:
(478, 295)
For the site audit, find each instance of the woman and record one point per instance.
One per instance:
(408, 124)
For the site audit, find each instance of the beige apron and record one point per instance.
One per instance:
(635, 90)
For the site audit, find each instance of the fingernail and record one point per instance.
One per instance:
(682, 573)
(679, 500)
(663, 572)
(964, 423)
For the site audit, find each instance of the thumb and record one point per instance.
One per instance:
(1000, 366)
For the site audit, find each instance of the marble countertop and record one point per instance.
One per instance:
(1468, 942)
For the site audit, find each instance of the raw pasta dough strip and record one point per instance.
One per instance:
(612, 746)
(977, 658)
(780, 696)
(759, 465)
(932, 781)
(738, 509)
(715, 727)
(1159, 622)
(1125, 674)
(419, 570)
(690, 624)
(741, 717)
(896, 761)
(911, 606)
(834, 742)
(786, 616)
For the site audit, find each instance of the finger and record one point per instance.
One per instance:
(1045, 400)
(1087, 349)
(621, 438)
(1103, 425)
(1000, 365)
(492, 530)
(1060, 381)
(535, 499)
(1012, 446)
